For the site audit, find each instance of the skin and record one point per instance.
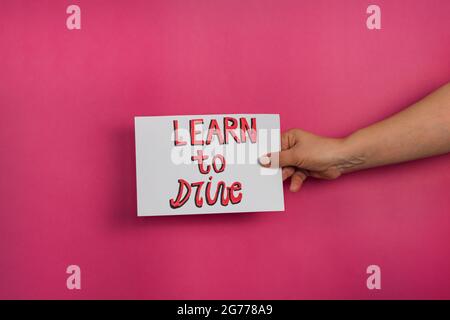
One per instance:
(420, 131)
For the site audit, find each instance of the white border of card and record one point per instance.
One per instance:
(165, 146)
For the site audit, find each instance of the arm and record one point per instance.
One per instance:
(420, 131)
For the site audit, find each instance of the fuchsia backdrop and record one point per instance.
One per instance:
(67, 171)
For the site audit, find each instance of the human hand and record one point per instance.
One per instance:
(420, 131)
(304, 155)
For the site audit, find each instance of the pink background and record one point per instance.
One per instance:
(67, 165)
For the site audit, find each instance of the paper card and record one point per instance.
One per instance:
(206, 164)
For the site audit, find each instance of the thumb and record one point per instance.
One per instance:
(279, 159)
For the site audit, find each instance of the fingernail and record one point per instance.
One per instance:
(264, 161)
(293, 188)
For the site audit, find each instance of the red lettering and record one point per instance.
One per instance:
(235, 186)
(222, 161)
(230, 127)
(230, 124)
(200, 157)
(194, 132)
(245, 128)
(175, 129)
(180, 200)
(198, 198)
(227, 194)
(214, 130)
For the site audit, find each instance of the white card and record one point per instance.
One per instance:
(207, 164)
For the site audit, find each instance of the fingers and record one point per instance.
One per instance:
(281, 159)
(286, 157)
(287, 172)
(297, 180)
(297, 176)
(288, 140)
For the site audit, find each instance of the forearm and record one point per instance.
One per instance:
(420, 131)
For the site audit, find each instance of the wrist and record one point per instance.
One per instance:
(351, 157)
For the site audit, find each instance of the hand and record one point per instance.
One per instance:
(304, 154)
(420, 131)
